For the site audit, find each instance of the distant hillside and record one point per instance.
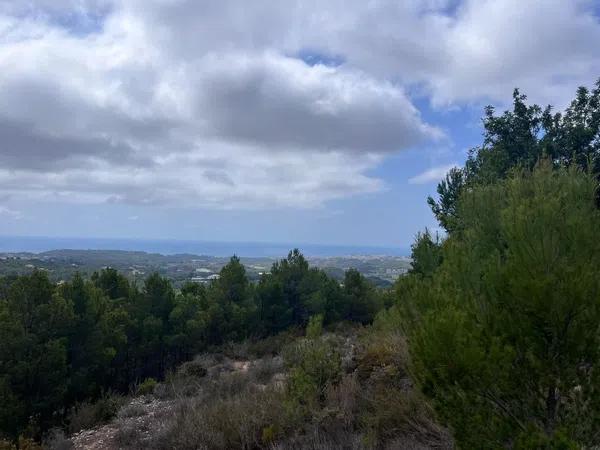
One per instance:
(61, 264)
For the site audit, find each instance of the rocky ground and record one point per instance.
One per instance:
(147, 414)
(219, 395)
(144, 414)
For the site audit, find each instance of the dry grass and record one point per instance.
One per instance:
(87, 415)
(237, 421)
(221, 403)
(56, 440)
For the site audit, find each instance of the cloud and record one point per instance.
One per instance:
(278, 104)
(282, 102)
(433, 174)
(258, 180)
(544, 47)
(474, 50)
(121, 115)
(10, 213)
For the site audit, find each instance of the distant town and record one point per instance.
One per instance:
(381, 270)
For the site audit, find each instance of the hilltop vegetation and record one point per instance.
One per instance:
(491, 340)
(72, 342)
(503, 316)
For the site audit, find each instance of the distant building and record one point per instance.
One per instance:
(396, 271)
(214, 276)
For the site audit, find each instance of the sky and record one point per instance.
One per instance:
(318, 121)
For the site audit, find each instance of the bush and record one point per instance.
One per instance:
(177, 385)
(507, 342)
(384, 352)
(342, 399)
(268, 346)
(319, 439)
(388, 412)
(314, 329)
(146, 387)
(247, 421)
(128, 435)
(263, 370)
(314, 364)
(193, 369)
(24, 443)
(56, 440)
(87, 415)
(134, 409)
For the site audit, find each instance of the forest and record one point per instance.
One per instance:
(69, 342)
(496, 324)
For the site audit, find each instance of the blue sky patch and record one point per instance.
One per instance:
(314, 58)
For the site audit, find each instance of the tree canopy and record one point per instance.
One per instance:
(69, 342)
(503, 315)
(520, 138)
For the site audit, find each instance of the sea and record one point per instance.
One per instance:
(39, 244)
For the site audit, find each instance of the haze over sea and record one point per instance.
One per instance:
(37, 244)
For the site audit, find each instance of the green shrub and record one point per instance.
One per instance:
(314, 364)
(506, 341)
(193, 369)
(314, 329)
(146, 387)
(532, 439)
(268, 435)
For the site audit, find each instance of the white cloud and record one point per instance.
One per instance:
(120, 115)
(257, 180)
(471, 50)
(10, 213)
(206, 104)
(431, 175)
(544, 47)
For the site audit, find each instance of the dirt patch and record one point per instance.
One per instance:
(144, 414)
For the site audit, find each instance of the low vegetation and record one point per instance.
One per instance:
(339, 388)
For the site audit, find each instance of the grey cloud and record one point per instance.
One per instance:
(473, 50)
(195, 103)
(256, 183)
(277, 101)
(23, 147)
(178, 103)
